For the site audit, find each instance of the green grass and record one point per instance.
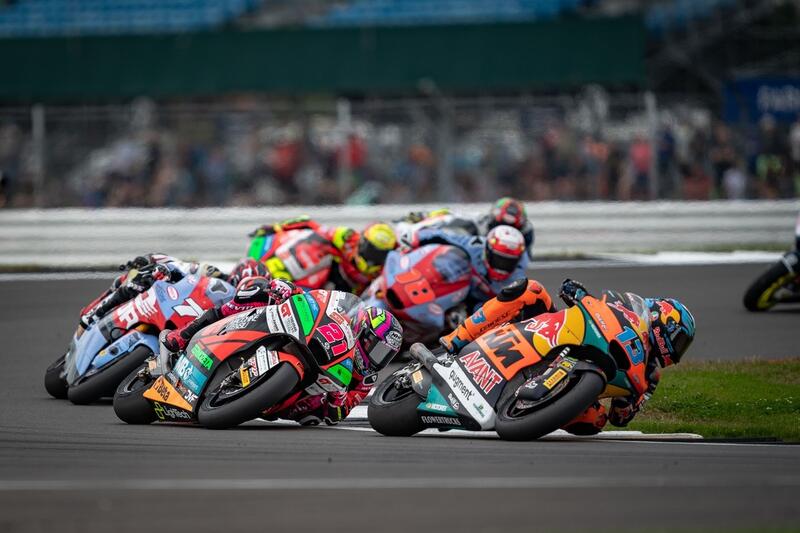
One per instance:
(738, 399)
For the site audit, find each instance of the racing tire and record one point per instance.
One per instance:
(394, 415)
(571, 401)
(759, 295)
(54, 382)
(130, 405)
(267, 391)
(105, 382)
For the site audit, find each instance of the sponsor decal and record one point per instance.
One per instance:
(262, 363)
(189, 374)
(417, 376)
(285, 310)
(290, 324)
(334, 303)
(394, 339)
(242, 320)
(557, 376)
(171, 413)
(662, 345)
(548, 328)
(445, 420)
(313, 306)
(435, 309)
(244, 374)
(600, 321)
(459, 386)
(482, 373)
(274, 321)
(435, 407)
(342, 373)
(453, 401)
(369, 380)
(172, 293)
(162, 390)
(630, 316)
(479, 317)
(202, 357)
(303, 312)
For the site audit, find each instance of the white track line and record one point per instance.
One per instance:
(393, 483)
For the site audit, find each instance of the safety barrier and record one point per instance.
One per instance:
(104, 237)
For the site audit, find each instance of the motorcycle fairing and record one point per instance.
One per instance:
(123, 346)
(299, 255)
(453, 380)
(83, 349)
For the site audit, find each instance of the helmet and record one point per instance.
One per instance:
(672, 329)
(507, 211)
(375, 243)
(247, 268)
(252, 290)
(504, 248)
(379, 336)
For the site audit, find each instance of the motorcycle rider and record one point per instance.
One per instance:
(378, 337)
(505, 211)
(497, 259)
(669, 331)
(143, 271)
(359, 256)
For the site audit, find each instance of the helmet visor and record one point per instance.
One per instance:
(378, 352)
(502, 262)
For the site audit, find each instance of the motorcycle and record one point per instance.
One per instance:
(779, 284)
(298, 255)
(99, 357)
(524, 380)
(425, 289)
(247, 365)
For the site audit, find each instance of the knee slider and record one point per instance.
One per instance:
(513, 290)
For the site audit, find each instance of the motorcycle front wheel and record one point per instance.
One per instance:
(517, 421)
(760, 295)
(104, 383)
(228, 404)
(130, 405)
(392, 409)
(54, 380)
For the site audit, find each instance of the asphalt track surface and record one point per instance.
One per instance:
(69, 468)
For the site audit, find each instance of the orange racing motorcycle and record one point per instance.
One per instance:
(523, 380)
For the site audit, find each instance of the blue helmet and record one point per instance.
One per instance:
(672, 329)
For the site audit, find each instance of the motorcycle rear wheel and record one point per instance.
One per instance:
(130, 405)
(105, 382)
(392, 411)
(54, 382)
(760, 294)
(215, 412)
(571, 401)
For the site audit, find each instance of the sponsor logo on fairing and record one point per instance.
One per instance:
(482, 373)
(171, 413)
(274, 321)
(172, 293)
(444, 420)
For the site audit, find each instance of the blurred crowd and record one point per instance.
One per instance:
(237, 161)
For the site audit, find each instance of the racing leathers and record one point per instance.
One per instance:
(482, 288)
(342, 246)
(142, 272)
(525, 299)
(328, 407)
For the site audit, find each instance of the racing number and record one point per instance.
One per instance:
(416, 287)
(334, 334)
(632, 344)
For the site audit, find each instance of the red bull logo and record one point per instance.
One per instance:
(668, 311)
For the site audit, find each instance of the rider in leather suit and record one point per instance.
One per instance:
(670, 333)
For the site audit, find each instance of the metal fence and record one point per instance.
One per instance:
(254, 151)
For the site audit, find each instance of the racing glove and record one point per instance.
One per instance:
(280, 290)
(572, 291)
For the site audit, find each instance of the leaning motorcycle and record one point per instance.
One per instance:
(301, 256)
(523, 380)
(425, 289)
(242, 366)
(779, 284)
(99, 357)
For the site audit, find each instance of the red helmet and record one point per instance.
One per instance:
(507, 211)
(504, 248)
(247, 268)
